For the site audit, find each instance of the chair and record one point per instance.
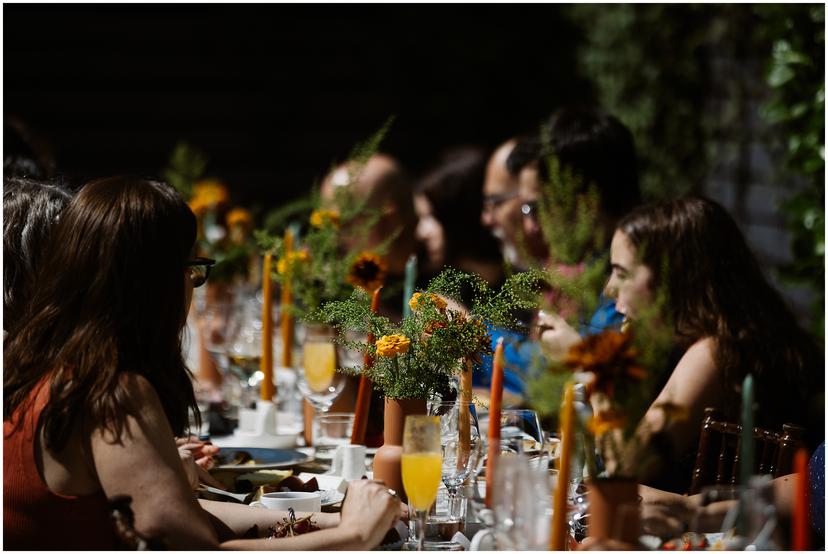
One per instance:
(717, 461)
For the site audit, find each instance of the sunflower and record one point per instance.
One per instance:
(610, 355)
(321, 217)
(416, 300)
(391, 345)
(367, 272)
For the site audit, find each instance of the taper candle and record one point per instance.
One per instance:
(287, 302)
(268, 390)
(559, 509)
(495, 408)
(408, 284)
(363, 401)
(746, 448)
(464, 413)
(800, 519)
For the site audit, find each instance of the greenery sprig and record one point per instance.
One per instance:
(420, 355)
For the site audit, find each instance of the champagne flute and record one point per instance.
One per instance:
(422, 466)
(461, 443)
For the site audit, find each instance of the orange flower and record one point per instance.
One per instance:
(606, 421)
(416, 299)
(320, 218)
(391, 345)
(610, 355)
(238, 217)
(367, 272)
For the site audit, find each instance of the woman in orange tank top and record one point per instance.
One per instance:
(95, 389)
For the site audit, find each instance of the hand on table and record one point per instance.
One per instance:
(369, 510)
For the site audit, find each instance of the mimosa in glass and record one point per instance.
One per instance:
(422, 466)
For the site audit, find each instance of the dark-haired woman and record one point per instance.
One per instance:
(95, 388)
(727, 320)
(30, 209)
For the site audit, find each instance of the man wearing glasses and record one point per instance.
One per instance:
(501, 205)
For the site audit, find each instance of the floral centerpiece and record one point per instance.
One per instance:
(330, 256)
(419, 356)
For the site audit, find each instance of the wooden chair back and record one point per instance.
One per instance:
(717, 461)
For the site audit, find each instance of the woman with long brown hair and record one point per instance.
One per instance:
(727, 321)
(95, 388)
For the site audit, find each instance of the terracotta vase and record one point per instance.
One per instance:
(614, 509)
(388, 459)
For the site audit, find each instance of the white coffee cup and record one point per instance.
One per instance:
(299, 501)
(349, 461)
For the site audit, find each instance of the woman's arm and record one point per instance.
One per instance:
(144, 464)
(235, 520)
(692, 386)
(368, 512)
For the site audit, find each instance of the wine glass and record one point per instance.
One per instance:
(244, 352)
(319, 381)
(422, 466)
(521, 433)
(461, 443)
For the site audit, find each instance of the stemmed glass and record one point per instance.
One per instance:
(521, 433)
(319, 381)
(422, 463)
(461, 444)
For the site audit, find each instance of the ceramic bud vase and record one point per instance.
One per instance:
(614, 509)
(388, 459)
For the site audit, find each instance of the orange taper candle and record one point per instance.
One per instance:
(287, 302)
(464, 423)
(363, 401)
(559, 528)
(495, 402)
(800, 521)
(266, 362)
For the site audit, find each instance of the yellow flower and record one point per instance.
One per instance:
(391, 345)
(198, 205)
(295, 257)
(367, 272)
(211, 192)
(321, 217)
(438, 302)
(238, 217)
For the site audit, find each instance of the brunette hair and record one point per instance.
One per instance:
(457, 181)
(30, 210)
(593, 144)
(109, 299)
(715, 288)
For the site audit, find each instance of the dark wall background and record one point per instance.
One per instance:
(275, 93)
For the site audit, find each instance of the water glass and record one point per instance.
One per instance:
(522, 504)
(331, 430)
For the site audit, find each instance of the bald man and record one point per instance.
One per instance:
(385, 186)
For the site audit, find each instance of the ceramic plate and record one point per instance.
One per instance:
(261, 458)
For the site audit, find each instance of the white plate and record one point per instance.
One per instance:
(331, 497)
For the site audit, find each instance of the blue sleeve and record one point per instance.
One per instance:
(605, 317)
(519, 354)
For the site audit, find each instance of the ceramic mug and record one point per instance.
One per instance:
(299, 501)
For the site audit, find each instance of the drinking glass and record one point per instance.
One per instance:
(244, 352)
(422, 463)
(521, 433)
(522, 504)
(319, 381)
(461, 444)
